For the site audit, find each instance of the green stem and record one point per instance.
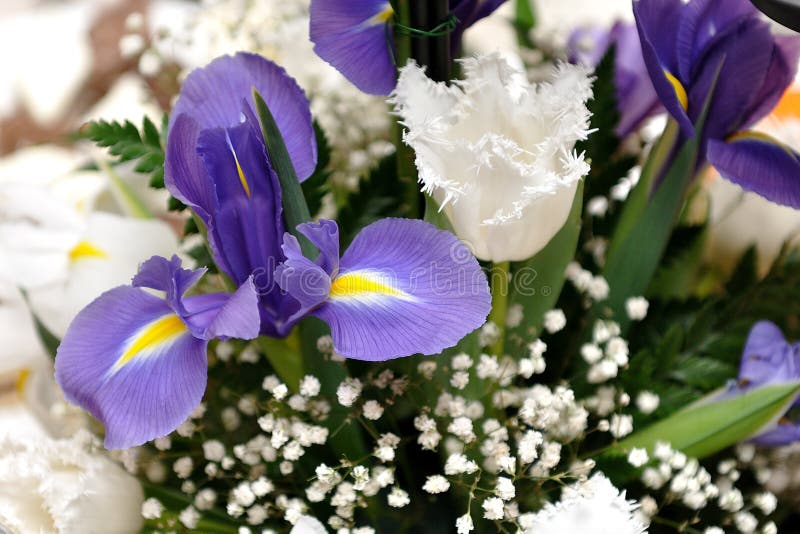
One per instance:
(123, 193)
(286, 357)
(501, 277)
(524, 21)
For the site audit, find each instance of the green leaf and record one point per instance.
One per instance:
(378, 196)
(127, 143)
(286, 357)
(536, 283)
(524, 21)
(676, 279)
(295, 209)
(436, 216)
(708, 426)
(316, 186)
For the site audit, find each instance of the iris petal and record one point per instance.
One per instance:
(353, 36)
(759, 164)
(213, 97)
(658, 22)
(139, 379)
(404, 287)
(767, 356)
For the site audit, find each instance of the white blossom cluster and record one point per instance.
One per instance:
(683, 480)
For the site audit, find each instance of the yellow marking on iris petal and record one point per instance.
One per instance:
(158, 332)
(242, 177)
(22, 379)
(383, 16)
(357, 284)
(759, 136)
(85, 250)
(680, 91)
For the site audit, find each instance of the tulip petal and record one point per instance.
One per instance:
(658, 22)
(354, 37)
(213, 97)
(759, 164)
(404, 287)
(133, 364)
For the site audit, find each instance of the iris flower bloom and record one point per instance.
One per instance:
(684, 44)
(216, 163)
(769, 359)
(137, 362)
(355, 36)
(636, 98)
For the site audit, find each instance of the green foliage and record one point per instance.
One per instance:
(129, 143)
(536, 283)
(316, 186)
(378, 196)
(677, 276)
(295, 209)
(707, 427)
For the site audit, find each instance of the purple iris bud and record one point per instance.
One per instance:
(636, 98)
(356, 37)
(217, 164)
(769, 359)
(684, 46)
(402, 287)
(137, 362)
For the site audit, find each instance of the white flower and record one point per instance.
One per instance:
(592, 507)
(458, 464)
(464, 524)
(310, 386)
(348, 391)
(505, 488)
(554, 320)
(493, 508)
(436, 484)
(636, 308)
(638, 457)
(398, 498)
(306, 524)
(647, 402)
(745, 522)
(496, 152)
(51, 485)
(213, 450)
(713, 530)
(189, 517)
(621, 425)
(373, 410)
(766, 502)
(152, 508)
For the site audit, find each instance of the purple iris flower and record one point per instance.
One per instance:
(217, 164)
(684, 44)
(355, 36)
(636, 98)
(402, 287)
(769, 359)
(137, 362)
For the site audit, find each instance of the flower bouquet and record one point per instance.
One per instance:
(449, 291)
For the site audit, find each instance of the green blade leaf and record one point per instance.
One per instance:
(708, 426)
(295, 209)
(537, 282)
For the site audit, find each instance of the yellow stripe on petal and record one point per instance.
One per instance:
(242, 177)
(85, 250)
(157, 333)
(22, 380)
(759, 136)
(383, 16)
(680, 91)
(363, 284)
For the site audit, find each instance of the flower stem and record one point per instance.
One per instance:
(501, 276)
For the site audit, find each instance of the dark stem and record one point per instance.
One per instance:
(440, 55)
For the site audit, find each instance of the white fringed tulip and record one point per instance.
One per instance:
(497, 152)
(65, 486)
